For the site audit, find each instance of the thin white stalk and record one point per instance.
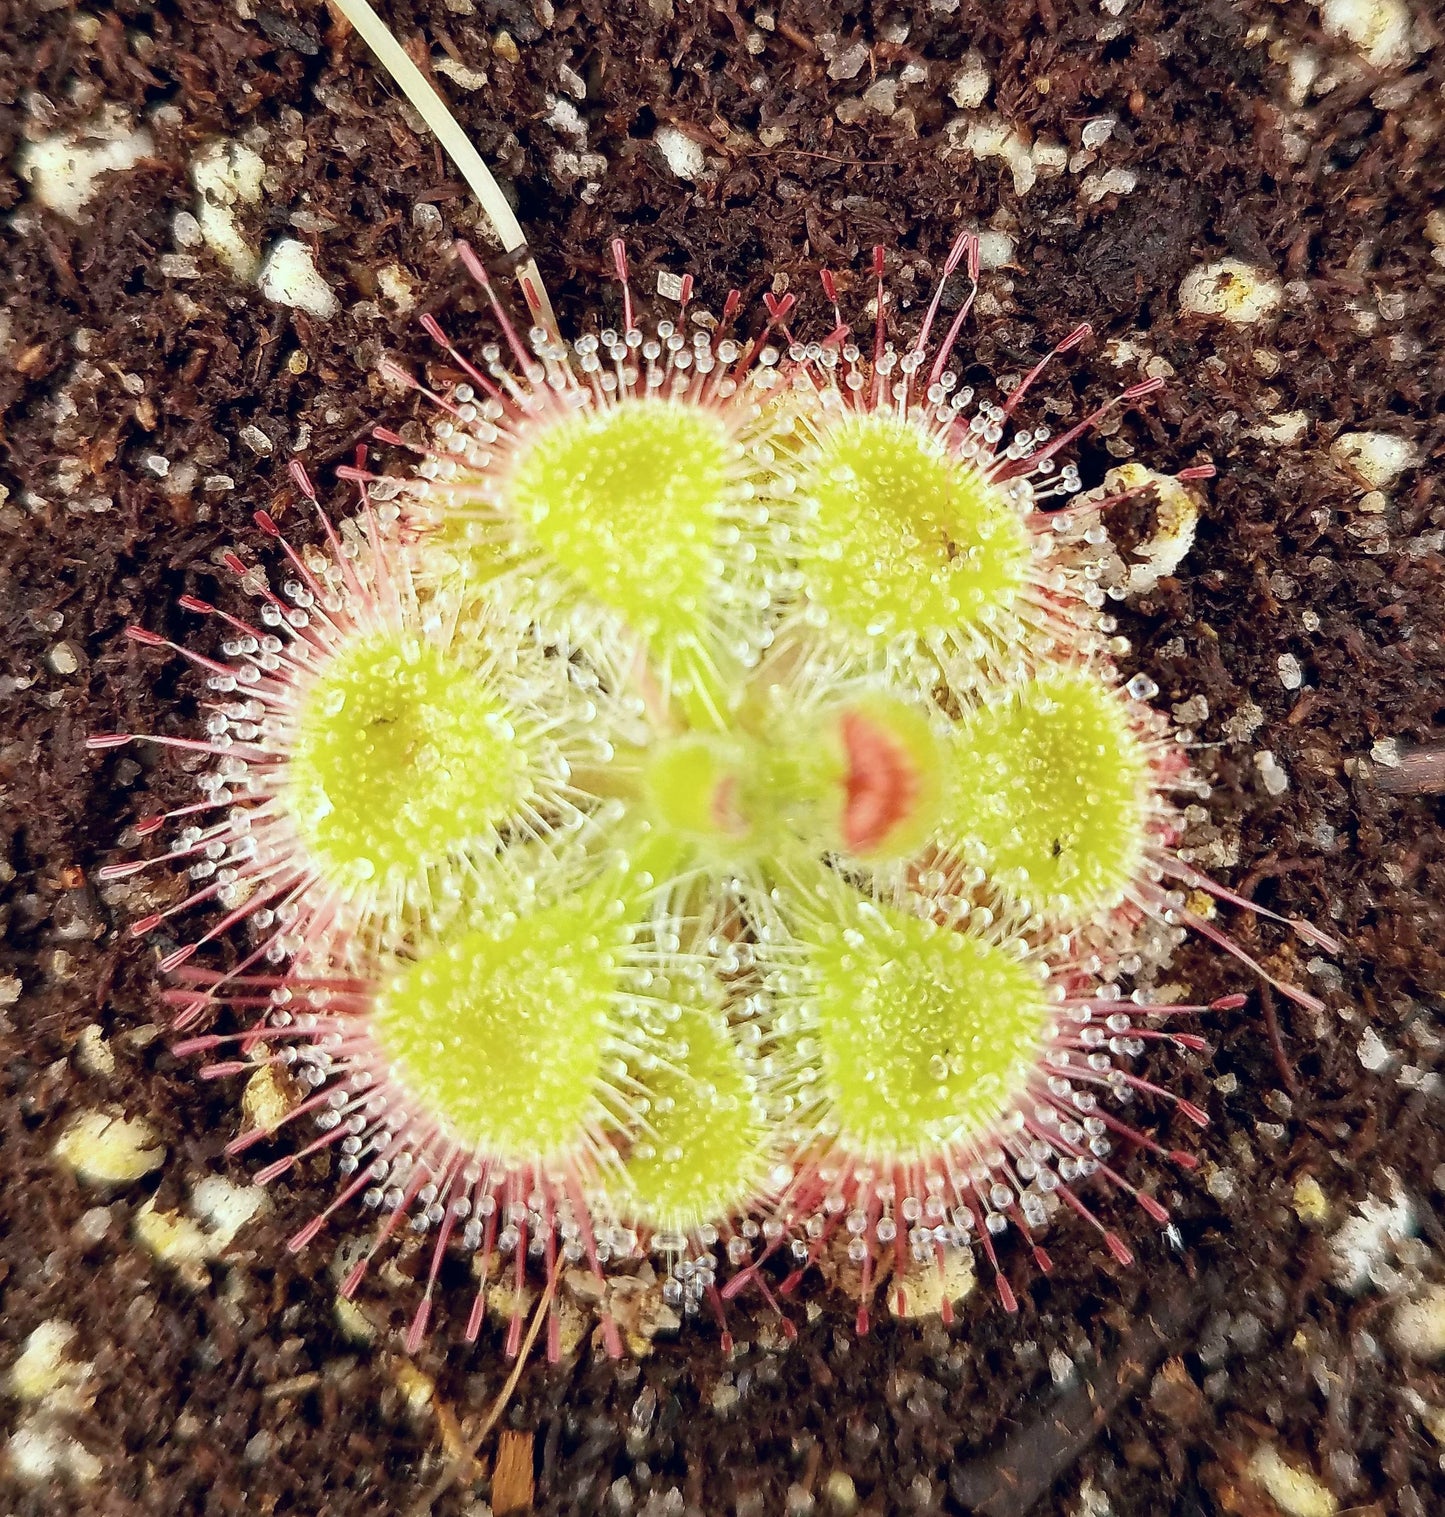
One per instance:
(433, 110)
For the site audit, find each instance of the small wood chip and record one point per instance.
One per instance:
(512, 1474)
(297, 1385)
(1417, 771)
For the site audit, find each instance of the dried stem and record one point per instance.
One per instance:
(455, 1469)
(433, 109)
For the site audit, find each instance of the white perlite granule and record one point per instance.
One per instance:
(289, 276)
(1230, 290)
(1271, 775)
(681, 154)
(64, 171)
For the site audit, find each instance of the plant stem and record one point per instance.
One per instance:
(433, 109)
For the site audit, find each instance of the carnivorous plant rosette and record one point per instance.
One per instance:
(698, 811)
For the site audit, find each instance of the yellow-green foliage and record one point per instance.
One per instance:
(709, 839)
(903, 540)
(1049, 794)
(401, 760)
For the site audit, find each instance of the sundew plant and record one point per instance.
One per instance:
(696, 811)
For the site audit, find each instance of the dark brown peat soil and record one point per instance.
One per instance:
(150, 400)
